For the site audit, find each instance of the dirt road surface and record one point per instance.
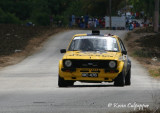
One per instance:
(31, 85)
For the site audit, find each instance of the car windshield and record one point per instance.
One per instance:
(94, 43)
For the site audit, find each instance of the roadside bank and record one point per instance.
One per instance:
(144, 45)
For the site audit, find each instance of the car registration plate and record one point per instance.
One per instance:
(89, 74)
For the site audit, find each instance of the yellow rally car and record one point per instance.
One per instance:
(95, 58)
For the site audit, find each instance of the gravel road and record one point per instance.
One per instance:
(31, 85)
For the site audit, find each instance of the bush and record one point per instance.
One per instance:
(58, 18)
(8, 18)
(11, 19)
(141, 53)
(41, 18)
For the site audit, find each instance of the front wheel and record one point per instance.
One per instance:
(64, 83)
(128, 78)
(120, 80)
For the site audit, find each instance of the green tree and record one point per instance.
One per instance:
(143, 5)
(101, 7)
(76, 8)
(21, 9)
(8, 18)
(57, 7)
(39, 11)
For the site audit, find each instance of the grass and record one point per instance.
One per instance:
(155, 72)
(144, 30)
(141, 53)
(145, 46)
(127, 36)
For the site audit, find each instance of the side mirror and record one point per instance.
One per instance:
(63, 50)
(124, 52)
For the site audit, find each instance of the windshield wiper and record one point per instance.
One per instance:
(76, 50)
(96, 50)
(111, 51)
(104, 50)
(99, 50)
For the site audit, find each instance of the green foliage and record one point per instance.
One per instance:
(143, 5)
(11, 19)
(141, 53)
(40, 14)
(8, 18)
(155, 73)
(21, 8)
(76, 8)
(39, 11)
(100, 7)
(41, 19)
(96, 10)
(57, 7)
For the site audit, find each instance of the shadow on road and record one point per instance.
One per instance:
(92, 86)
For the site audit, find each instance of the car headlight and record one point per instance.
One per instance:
(112, 64)
(68, 63)
(121, 58)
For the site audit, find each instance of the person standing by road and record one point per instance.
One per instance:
(73, 20)
(86, 17)
(51, 20)
(70, 21)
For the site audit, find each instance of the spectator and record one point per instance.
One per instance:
(82, 23)
(86, 20)
(142, 24)
(134, 24)
(130, 26)
(145, 19)
(127, 25)
(90, 23)
(100, 22)
(95, 24)
(51, 20)
(137, 24)
(70, 21)
(73, 20)
(78, 22)
(103, 22)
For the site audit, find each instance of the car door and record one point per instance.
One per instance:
(125, 56)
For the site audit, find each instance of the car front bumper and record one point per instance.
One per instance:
(77, 74)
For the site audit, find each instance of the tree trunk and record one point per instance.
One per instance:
(110, 13)
(156, 16)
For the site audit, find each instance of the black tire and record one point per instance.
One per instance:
(128, 78)
(64, 83)
(120, 80)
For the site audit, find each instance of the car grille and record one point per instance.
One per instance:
(89, 63)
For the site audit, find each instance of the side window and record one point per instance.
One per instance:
(122, 45)
(71, 46)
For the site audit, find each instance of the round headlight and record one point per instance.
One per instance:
(112, 64)
(68, 63)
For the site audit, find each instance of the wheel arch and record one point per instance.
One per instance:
(121, 66)
(60, 67)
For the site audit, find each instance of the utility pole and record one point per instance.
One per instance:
(110, 13)
(125, 12)
(156, 16)
(125, 7)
